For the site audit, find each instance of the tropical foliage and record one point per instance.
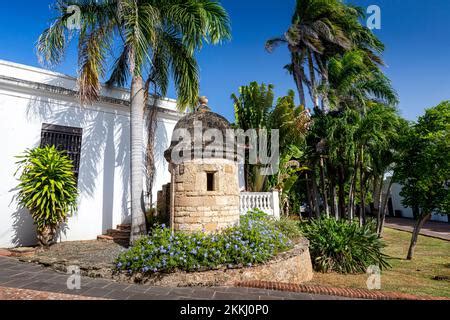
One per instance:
(337, 60)
(343, 247)
(356, 145)
(48, 189)
(423, 168)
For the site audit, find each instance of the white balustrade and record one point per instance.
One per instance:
(267, 202)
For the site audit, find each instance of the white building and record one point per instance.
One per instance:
(407, 212)
(37, 104)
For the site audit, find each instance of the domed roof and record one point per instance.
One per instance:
(202, 118)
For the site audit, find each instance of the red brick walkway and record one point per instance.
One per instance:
(22, 294)
(342, 292)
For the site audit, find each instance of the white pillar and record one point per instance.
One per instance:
(276, 204)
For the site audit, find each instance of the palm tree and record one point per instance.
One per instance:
(154, 39)
(252, 109)
(353, 80)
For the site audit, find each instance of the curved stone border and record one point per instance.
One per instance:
(343, 292)
(294, 266)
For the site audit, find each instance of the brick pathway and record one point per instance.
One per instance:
(20, 275)
(344, 292)
(23, 294)
(440, 230)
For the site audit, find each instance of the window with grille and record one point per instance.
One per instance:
(66, 139)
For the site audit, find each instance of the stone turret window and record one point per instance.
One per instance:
(210, 181)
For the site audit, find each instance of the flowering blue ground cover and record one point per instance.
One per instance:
(257, 239)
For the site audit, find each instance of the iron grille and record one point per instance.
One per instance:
(66, 139)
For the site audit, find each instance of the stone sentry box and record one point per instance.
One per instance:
(204, 192)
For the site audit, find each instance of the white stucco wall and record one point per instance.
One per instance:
(406, 211)
(104, 168)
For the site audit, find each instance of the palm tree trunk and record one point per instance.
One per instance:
(312, 77)
(309, 195)
(334, 208)
(417, 227)
(341, 195)
(298, 79)
(384, 208)
(138, 225)
(362, 216)
(324, 188)
(378, 189)
(150, 168)
(351, 197)
(315, 197)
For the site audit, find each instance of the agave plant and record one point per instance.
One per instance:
(48, 189)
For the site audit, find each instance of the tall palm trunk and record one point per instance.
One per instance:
(351, 194)
(312, 77)
(316, 199)
(298, 79)
(324, 188)
(341, 194)
(138, 224)
(150, 167)
(315, 196)
(334, 209)
(378, 196)
(362, 216)
(384, 208)
(309, 195)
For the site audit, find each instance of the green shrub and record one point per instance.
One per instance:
(342, 246)
(47, 189)
(256, 240)
(290, 228)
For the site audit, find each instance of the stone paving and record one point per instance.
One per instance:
(20, 275)
(440, 230)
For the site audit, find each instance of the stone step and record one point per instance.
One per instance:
(105, 238)
(124, 227)
(118, 234)
(122, 241)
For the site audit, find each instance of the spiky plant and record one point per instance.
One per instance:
(48, 189)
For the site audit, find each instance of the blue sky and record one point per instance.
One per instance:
(416, 34)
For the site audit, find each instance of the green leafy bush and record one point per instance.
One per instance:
(47, 189)
(342, 246)
(256, 240)
(290, 228)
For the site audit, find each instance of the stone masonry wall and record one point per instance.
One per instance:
(197, 209)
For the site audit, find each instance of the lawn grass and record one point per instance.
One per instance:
(432, 258)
